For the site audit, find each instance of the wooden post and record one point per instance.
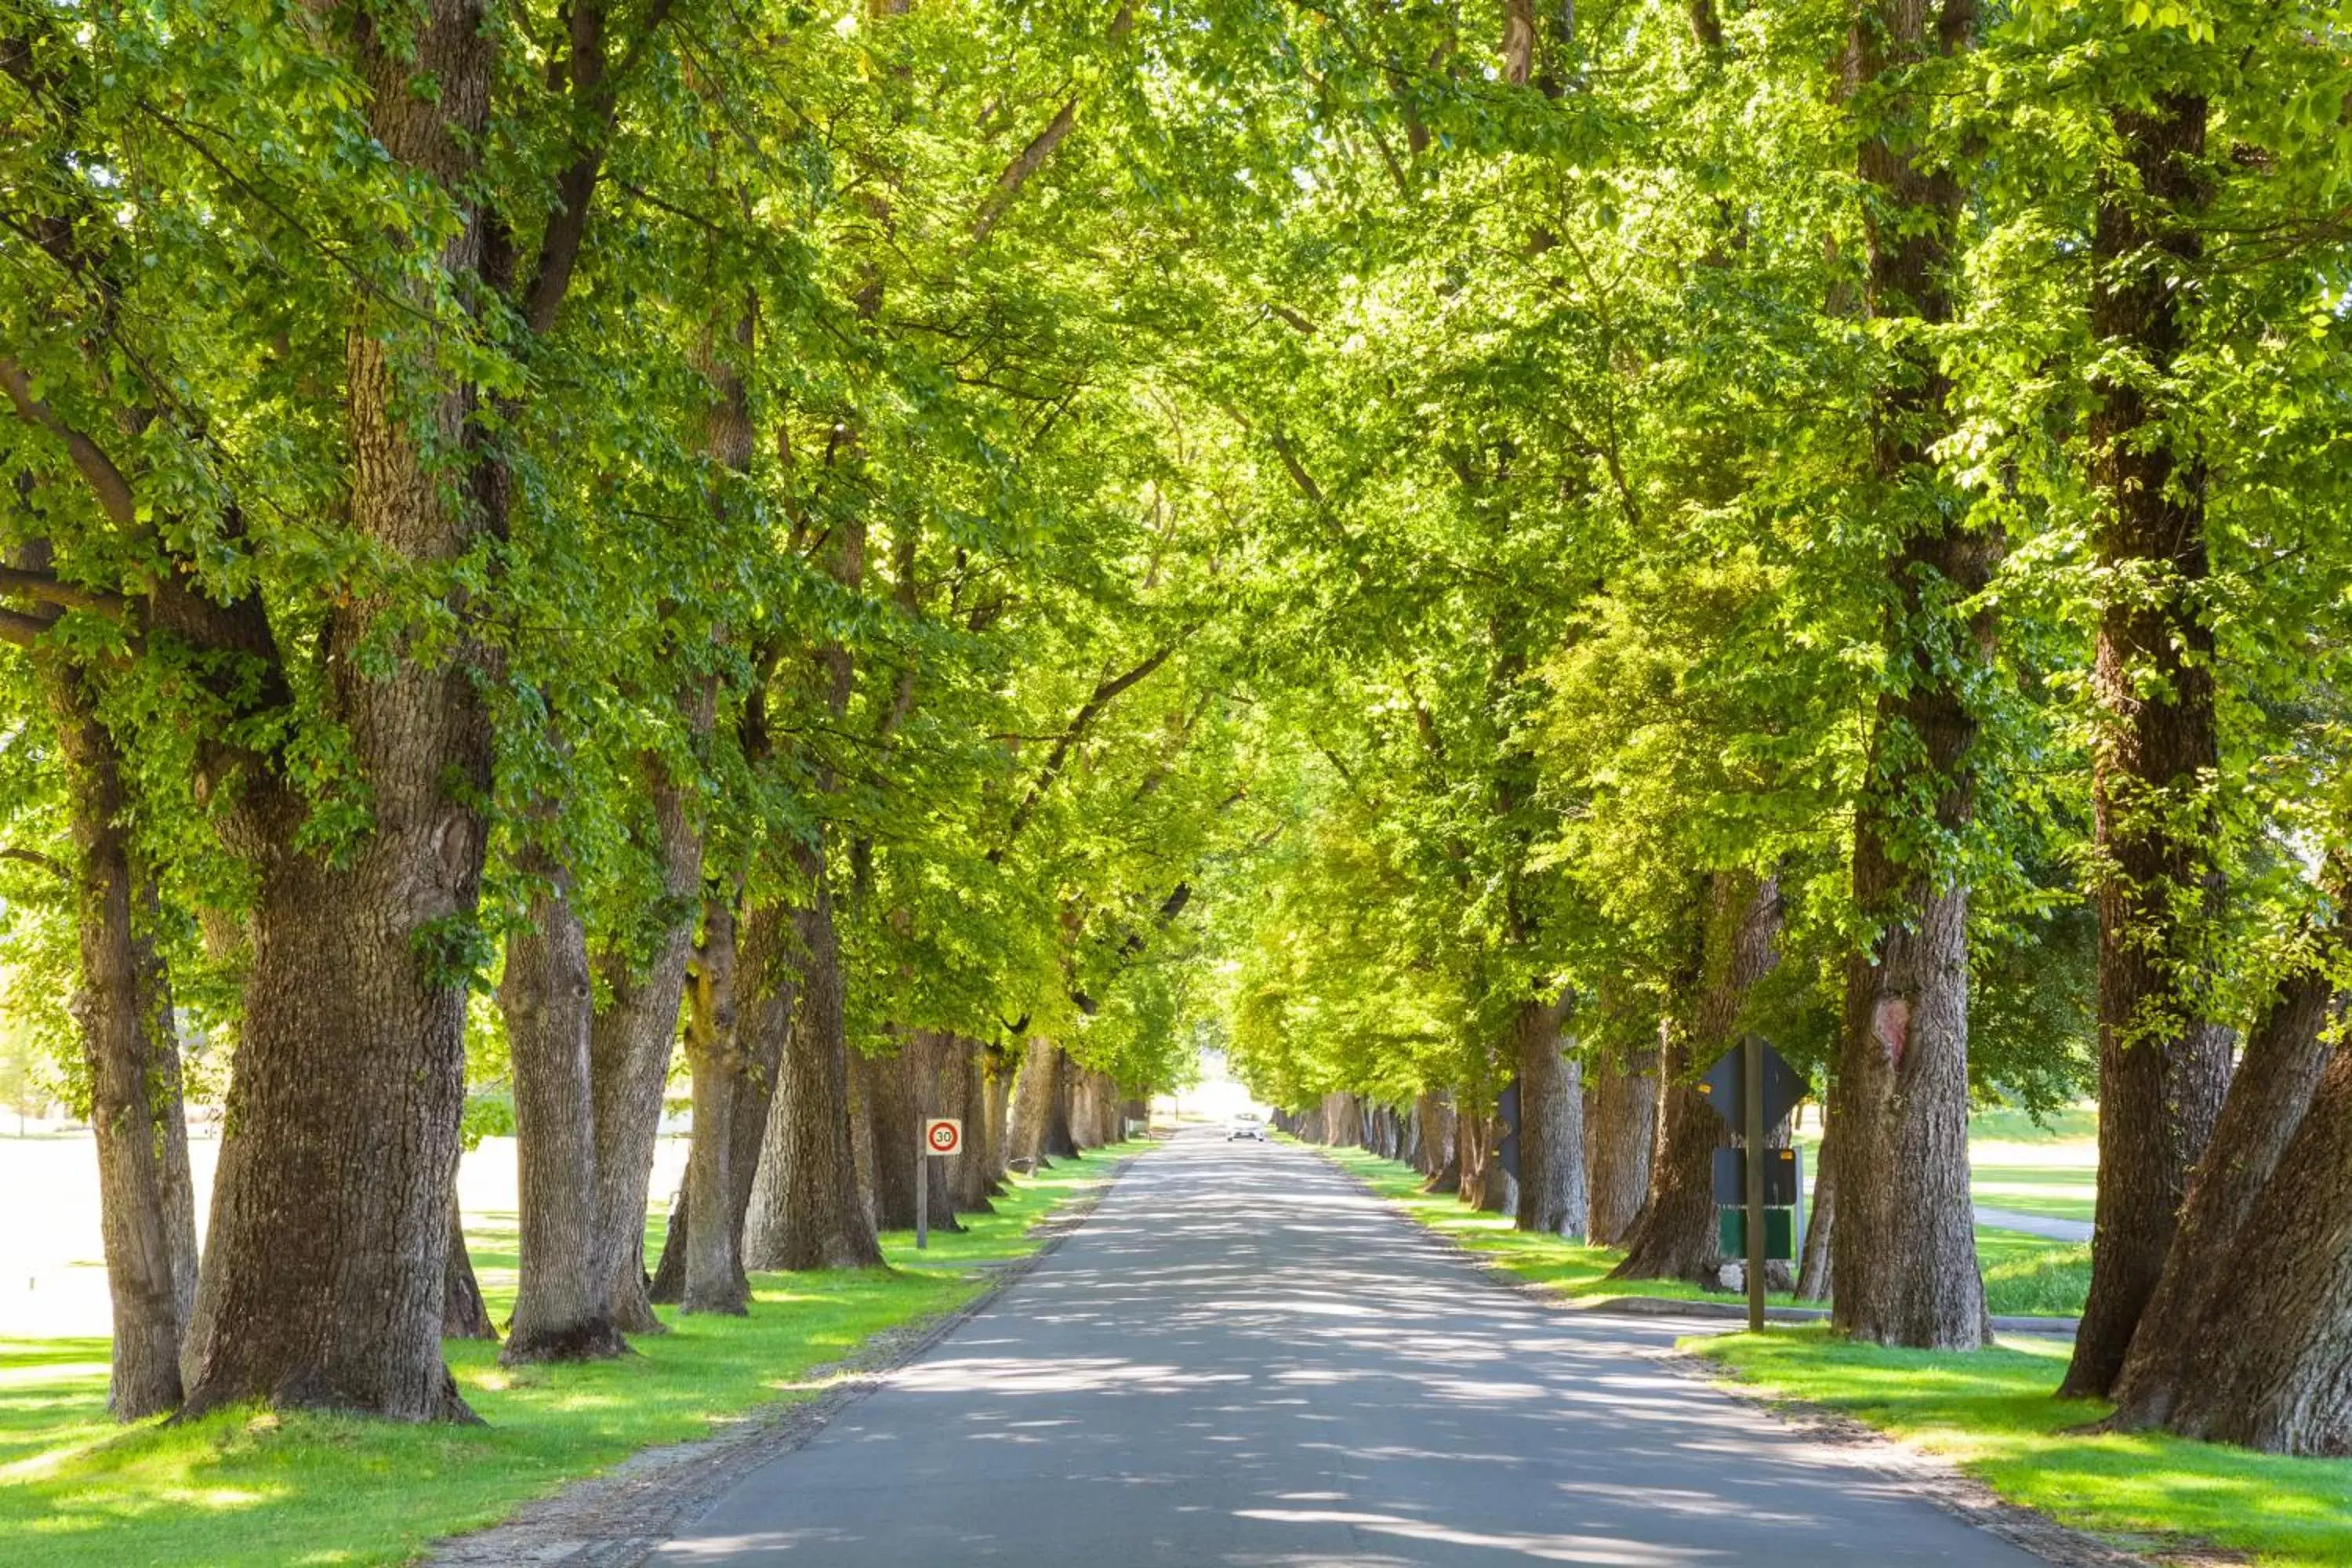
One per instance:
(922, 1194)
(1752, 1073)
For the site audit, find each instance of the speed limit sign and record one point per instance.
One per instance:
(942, 1135)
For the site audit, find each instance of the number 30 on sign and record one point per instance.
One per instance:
(942, 1135)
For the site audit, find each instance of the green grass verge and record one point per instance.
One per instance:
(254, 1488)
(1992, 1415)
(2010, 1125)
(2025, 1274)
(2056, 1192)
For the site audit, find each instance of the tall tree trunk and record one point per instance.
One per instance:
(1439, 1159)
(1813, 1269)
(715, 1279)
(892, 1135)
(634, 1035)
(322, 1279)
(122, 1004)
(725, 1028)
(1625, 1107)
(1407, 1122)
(1078, 1097)
(1341, 1120)
(766, 984)
(2163, 1065)
(967, 1171)
(2269, 1364)
(2268, 1099)
(1485, 1187)
(1553, 1197)
(1903, 1256)
(806, 1209)
(666, 1286)
(562, 1308)
(1674, 1235)
(935, 1087)
(999, 1109)
(1041, 1127)
(464, 1314)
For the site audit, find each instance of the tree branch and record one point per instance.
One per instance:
(43, 588)
(1104, 693)
(24, 630)
(1298, 470)
(105, 480)
(1027, 163)
(49, 863)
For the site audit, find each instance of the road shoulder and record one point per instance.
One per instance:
(1921, 1473)
(619, 1518)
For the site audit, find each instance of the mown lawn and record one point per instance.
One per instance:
(1992, 1415)
(251, 1487)
(2025, 1274)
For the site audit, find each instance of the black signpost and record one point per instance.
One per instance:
(1752, 1087)
(1507, 1113)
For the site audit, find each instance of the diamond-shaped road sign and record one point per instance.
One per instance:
(1784, 1085)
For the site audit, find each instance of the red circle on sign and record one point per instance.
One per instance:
(943, 1137)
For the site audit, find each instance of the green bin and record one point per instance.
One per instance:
(1779, 1234)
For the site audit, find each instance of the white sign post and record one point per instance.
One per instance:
(942, 1135)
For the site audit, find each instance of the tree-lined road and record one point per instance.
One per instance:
(1242, 1358)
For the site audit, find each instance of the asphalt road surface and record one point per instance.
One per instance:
(1241, 1359)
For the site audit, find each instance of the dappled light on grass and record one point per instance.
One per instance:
(242, 1488)
(2025, 1276)
(1992, 1413)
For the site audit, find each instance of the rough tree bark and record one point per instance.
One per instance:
(1078, 1101)
(1625, 1106)
(766, 978)
(1813, 1268)
(996, 1112)
(2269, 1364)
(1484, 1184)
(1674, 1235)
(323, 1278)
(1903, 1255)
(891, 1135)
(806, 1210)
(2164, 1066)
(935, 1076)
(1439, 1157)
(123, 1004)
(713, 1244)
(464, 1314)
(1342, 1121)
(2268, 1101)
(1041, 1110)
(1407, 1122)
(562, 1308)
(632, 1037)
(1553, 1196)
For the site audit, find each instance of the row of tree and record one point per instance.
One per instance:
(1831, 520)
(1615, 524)
(564, 544)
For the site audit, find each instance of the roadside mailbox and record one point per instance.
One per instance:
(1759, 1191)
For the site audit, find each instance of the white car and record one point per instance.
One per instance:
(1245, 1124)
